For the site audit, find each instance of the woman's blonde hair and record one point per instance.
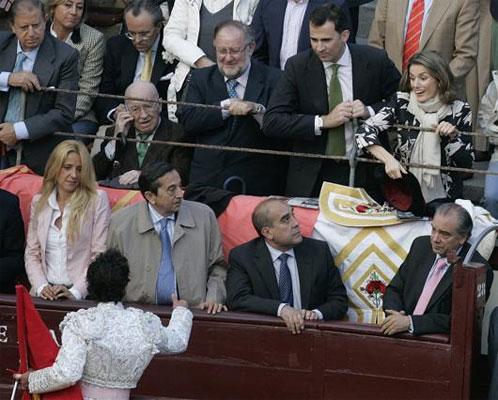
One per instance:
(52, 4)
(84, 194)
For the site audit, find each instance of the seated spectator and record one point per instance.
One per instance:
(283, 274)
(107, 348)
(68, 225)
(132, 56)
(242, 87)
(29, 60)
(487, 119)
(427, 99)
(173, 245)
(188, 36)
(418, 299)
(66, 24)
(11, 242)
(140, 120)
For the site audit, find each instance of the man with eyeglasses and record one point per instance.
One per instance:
(120, 161)
(132, 56)
(242, 88)
(31, 59)
(323, 93)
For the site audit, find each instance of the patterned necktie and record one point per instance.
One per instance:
(147, 69)
(336, 141)
(17, 98)
(413, 31)
(165, 285)
(231, 85)
(285, 281)
(430, 287)
(142, 147)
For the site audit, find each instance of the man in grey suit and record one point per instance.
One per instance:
(173, 245)
(31, 59)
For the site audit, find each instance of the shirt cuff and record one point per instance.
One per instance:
(21, 131)
(410, 329)
(110, 150)
(4, 81)
(225, 114)
(110, 115)
(76, 293)
(371, 111)
(318, 125)
(280, 308)
(40, 288)
(318, 313)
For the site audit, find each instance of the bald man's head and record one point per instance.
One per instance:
(146, 114)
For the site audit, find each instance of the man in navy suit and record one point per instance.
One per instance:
(283, 274)
(242, 87)
(299, 108)
(281, 28)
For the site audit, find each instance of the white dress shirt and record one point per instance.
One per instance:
(296, 286)
(427, 8)
(20, 127)
(293, 21)
(54, 34)
(56, 248)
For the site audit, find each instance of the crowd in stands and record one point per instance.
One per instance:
(267, 75)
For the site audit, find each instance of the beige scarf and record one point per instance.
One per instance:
(427, 147)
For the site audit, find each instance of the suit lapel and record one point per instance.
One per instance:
(361, 74)
(264, 265)
(277, 17)
(129, 62)
(254, 84)
(10, 53)
(314, 76)
(304, 268)
(400, 8)
(159, 65)
(421, 277)
(43, 66)
(155, 150)
(438, 9)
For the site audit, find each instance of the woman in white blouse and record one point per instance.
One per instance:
(68, 225)
(107, 348)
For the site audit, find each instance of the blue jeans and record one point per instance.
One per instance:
(491, 189)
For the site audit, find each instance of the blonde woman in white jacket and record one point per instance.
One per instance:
(182, 34)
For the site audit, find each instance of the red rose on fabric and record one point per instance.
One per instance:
(361, 208)
(376, 286)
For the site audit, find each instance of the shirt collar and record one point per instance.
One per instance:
(31, 54)
(242, 79)
(156, 217)
(275, 253)
(52, 202)
(54, 33)
(343, 61)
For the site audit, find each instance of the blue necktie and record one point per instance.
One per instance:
(285, 281)
(15, 109)
(165, 285)
(231, 85)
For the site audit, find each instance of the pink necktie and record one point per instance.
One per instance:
(430, 286)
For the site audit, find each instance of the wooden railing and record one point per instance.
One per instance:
(249, 356)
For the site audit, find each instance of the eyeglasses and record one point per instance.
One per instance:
(148, 108)
(234, 52)
(139, 35)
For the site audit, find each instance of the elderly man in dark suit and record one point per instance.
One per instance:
(29, 59)
(242, 87)
(281, 28)
(418, 299)
(134, 55)
(321, 94)
(283, 274)
(122, 159)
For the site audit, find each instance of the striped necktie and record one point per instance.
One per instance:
(413, 31)
(17, 98)
(285, 281)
